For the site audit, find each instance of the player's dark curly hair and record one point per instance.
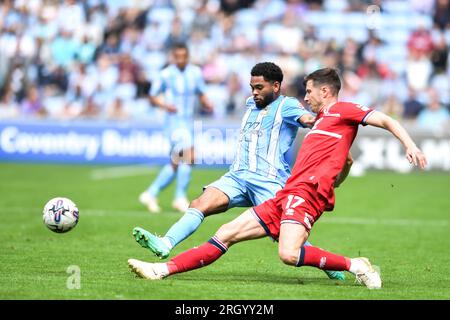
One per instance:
(269, 70)
(325, 76)
(179, 45)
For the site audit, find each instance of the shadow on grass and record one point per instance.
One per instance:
(263, 277)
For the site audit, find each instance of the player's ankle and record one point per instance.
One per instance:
(171, 267)
(167, 242)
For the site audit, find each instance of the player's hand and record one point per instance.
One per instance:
(208, 107)
(415, 156)
(307, 120)
(170, 108)
(349, 160)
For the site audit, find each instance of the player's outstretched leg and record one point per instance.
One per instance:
(333, 275)
(197, 257)
(244, 227)
(293, 252)
(210, 201)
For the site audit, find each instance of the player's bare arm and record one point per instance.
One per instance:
(207, 105)
(413, 153)
(158, 101)
(345, 171)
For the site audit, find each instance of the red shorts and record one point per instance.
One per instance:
(302, 207)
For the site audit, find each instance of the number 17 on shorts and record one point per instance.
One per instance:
(296, 211)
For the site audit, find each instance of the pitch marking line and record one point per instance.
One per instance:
(325, 220)
(387, 222)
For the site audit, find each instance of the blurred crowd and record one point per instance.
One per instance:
(97, 59)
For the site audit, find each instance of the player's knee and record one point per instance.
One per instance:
(288, 256)
(174, 164)
(192, 157)
(202, 205)
(228, 234)
(197, 204)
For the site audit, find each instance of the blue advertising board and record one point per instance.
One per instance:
(95, 142)
(108, 143)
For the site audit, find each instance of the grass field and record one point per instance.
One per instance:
(401, 222)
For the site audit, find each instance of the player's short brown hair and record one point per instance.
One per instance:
(325, 76)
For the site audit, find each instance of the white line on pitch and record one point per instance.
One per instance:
(95, 212)
(386, 222)
(121, 172)
(327, 220)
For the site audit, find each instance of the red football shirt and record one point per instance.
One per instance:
(324, 151)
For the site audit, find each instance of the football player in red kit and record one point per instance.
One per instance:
(289, 217)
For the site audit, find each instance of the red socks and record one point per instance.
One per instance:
(212, 250)
(316, 257)
(197, 257)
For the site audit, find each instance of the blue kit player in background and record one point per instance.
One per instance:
(260, 169)
(176, 92)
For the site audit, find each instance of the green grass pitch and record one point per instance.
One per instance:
(400, 221)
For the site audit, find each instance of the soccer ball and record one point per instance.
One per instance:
(60, 215)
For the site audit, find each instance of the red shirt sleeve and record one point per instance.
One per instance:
(355, 113)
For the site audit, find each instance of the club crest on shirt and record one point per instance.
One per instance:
(264, 111)
(327, 113)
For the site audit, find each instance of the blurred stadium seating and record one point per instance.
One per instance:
(96, 59)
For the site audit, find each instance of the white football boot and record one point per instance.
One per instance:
(366, 274)
(146, 270)
(180, 204)
(150, 202)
